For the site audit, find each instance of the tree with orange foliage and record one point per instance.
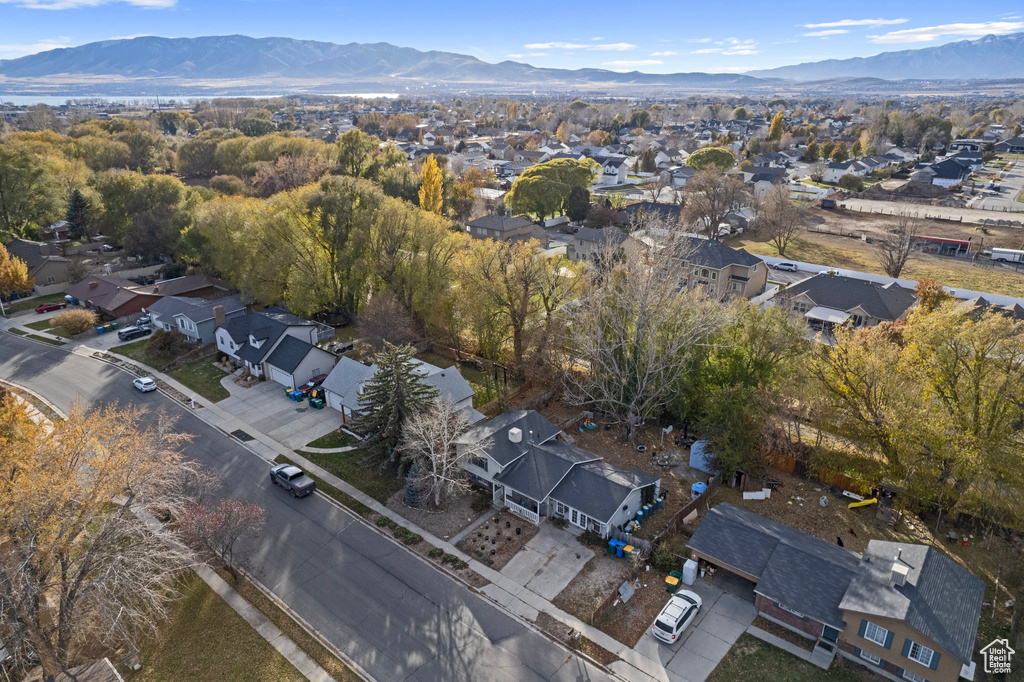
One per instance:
(83, 562)
(930, 294)
(431, 186)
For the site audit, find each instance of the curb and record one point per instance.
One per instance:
(38, 397)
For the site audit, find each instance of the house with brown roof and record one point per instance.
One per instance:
(119, 297)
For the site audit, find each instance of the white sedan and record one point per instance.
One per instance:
(145, 384)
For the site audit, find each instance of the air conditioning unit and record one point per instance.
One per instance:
(515, 435)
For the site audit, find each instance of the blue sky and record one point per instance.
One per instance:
(655, 36)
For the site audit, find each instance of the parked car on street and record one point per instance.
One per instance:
(680, 611)
(292, 478)
(48, 307)
(312, 383)
(129, 333)
(145, 384)
(788, 267)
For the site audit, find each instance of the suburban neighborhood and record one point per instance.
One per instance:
(481, 382)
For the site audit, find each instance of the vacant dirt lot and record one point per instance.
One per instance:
(600, 577)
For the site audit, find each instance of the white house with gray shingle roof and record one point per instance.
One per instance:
(534, 474)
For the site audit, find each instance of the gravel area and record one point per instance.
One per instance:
(444, 523)
(600, 577)
(782, 633)
(498, 535)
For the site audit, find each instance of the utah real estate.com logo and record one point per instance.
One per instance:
(997, 654)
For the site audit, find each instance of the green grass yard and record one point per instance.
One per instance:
(205, 639)
(334, 439)
(44, 326)
(203, 378)
(31, 303)
(349, 467)
(753, 659)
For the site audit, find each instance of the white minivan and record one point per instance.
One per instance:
(680, 611)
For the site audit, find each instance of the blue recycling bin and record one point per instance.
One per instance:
(639, 515)
(99, 330)
(618, 551)
(658, 503)
(611, 546)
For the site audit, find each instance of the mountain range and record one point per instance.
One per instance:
(232, 62)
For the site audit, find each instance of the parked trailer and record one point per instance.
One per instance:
(1008, 255)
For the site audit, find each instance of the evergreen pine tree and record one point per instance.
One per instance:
(648, 164)
(77, 215)
(389, 398)
(577, 204)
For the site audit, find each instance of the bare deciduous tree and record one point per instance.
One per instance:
(636, 331)
(429, 439)
(387, 320)
(710, 196)
(817, 170)
(78, 564)
(219, 530)
(778, 218)
(893, 251)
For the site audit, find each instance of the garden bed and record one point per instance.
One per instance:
(782, 633)
(444, 523)
(498, 535)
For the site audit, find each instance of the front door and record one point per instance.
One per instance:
(575, 518)
(830, 634)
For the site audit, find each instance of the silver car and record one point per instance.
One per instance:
(788, 267)
(145, 384)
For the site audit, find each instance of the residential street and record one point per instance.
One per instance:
(394, 614)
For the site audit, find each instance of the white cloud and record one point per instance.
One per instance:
(707, 50)
(929, 33)
(515, 56)
(740, 47)
(75, 4)
(597, 38)
(874, 23)
(665, 53)
(15, 50)
(621, 64)
(699, 40)
(826, 32)
(604, 47)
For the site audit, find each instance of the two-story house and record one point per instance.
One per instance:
(196, 318)
(591, 244)
(907, 612)
(835, 299)
(724, 271)
(534, 474)
(504, 227)
(45, 264)
(275, 344)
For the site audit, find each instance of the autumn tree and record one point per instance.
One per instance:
(839, 152)
(431, 187)
(647, 162)
(83, 562)
(778, 218)
(718, 159)
(892, 250)
(430, 441)
(390, 398)
(220, 529)
(930, 294)
(354, 151)
(542, 190)
(777, 127)
(710, 196)
(636, 334)
(14, 275)
(75, 321)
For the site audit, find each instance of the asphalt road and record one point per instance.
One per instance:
(393, 613)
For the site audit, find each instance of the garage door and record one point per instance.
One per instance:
(281, 377)
(333, 400)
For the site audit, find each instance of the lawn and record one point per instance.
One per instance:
(52, 342)
(334, 439)
(202, 377)
(44, 326)
(329, 490)
(205, 639)
(753, 659)
(31, 303)
(349, 467)
(137, 351)
(853, 254)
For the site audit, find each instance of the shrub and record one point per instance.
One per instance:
(227, 184)
(407, 536)
(481, 500)
(385, 522)
(435, 552)
(589, 537)
(664, 558)
(852, 183)
(454, 561)
(75, 321)
(559, 523)
(167, 344)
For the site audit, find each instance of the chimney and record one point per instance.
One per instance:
(93, 284)
(218, 315)
(899, 570)
(515, 435)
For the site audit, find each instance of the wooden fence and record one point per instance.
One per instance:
(678, 519)
(792, 465)
(632, 575)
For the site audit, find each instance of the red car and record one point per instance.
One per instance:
(47, 307)
(312, 383)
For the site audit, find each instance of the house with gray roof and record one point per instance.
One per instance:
(45, 264)
(908, 612)
(505, 227)
(536, 475)
(196, 318)
(251, 340)
(294, 361)
(591, 244)
(724, 271)
(826, 300)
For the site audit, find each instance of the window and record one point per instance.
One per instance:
(51, 280)
(913, 677)
(736, 286)
(868, 656)
(875, 634)
(561, 509)
(705, 273)
(858, 320)
(800, 307)
(920, 654)
(711, 287)
(479, 462)
(714, 275)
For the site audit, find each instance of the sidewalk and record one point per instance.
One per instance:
(513, 597)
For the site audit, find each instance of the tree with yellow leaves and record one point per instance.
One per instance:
(431, 186)
(13, 273)
(82, 561)
(778, 127)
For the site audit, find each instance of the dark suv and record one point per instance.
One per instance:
(129, 333)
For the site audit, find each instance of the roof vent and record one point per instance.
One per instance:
(515, 435)
(899, 570)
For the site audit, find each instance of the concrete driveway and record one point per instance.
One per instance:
(722, 619)
(548, 562)
(268, 410)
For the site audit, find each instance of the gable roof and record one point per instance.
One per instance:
(501, 449)
(711, 253)
(346, 380)
(940, 599)
(196, 309)
(948, 170)
(881, 301)
(35, 254)
(501, 223)
(450, 384)
(598, 489)
(542, 467)
(290, 352)
(806, 573)
(610, 235)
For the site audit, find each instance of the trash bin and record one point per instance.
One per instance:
(627, 551)
(611, 546)
(639, 515)
(316, 403)
(618, 550)
(689, 571)
(698, 488)
(658, 503)
(672, 582)
(113, 325)
(99, 330)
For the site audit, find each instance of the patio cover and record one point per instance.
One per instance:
(824, 314)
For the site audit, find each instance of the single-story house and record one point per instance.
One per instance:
(344, 385)
(835, 299)
(533, 473)
(251, 339)
(45, 264)
(948, 173)
(196, 318)
(500, 227)
(905, 611)
(1015, 145)
(119, 297)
